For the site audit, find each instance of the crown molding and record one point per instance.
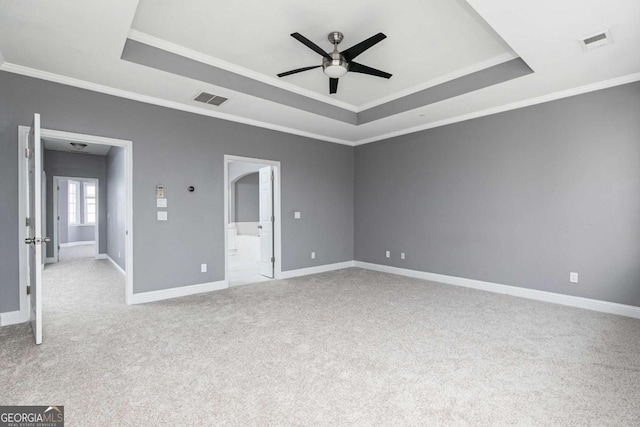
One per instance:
(70, 81)
(219, 63)
(44, 75)
(605, 84)
(491, 62)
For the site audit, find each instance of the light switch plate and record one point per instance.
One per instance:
(162, 215)
(296, 215)
(160, 191)
(161, 203)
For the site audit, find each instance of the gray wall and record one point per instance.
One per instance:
(81, 233)
(63, 211)
(237, 170)
(60, 163)
(247, 198)
(520, 198)
(179, 149)
(116, 205)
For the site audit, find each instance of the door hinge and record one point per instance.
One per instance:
(58, 188)
(27, 153)
(273, 259)
(27, 222)
(58, 217)
(273, 218)
(272, 176)
(28, 290)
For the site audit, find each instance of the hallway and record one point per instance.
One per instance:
(78, 285)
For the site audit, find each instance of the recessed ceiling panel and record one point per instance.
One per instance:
(426, 39)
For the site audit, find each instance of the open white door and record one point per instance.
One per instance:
(35, 239)
(267, 219)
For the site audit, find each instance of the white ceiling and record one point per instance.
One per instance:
(80, 43)
(425, 38)
(65, 145)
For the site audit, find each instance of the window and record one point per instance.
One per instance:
(89, 203)
(74, 206)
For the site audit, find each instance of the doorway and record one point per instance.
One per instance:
(251, 220)
(84, 215)
(76, 218)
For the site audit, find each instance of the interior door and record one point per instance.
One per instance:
(267, 219)
(34, 239)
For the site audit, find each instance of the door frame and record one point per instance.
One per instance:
(56, 202)
(23, 132)
(277, 234)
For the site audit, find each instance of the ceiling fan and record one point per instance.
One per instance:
(336, 64)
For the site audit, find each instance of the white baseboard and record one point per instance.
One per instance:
(315, 270)
(568, 300)
(180, 291)
(49, 260)
(115, 264)
(102, 256)
(12, 318)
(79, 243)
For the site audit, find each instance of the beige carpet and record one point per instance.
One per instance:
(351, 347)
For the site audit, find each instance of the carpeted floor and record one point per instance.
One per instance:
(341, 348)
(70, 253)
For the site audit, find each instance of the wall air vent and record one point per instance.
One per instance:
(209, 98)
(596, 40)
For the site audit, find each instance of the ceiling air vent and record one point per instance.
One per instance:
(596, 40)
(209, 98)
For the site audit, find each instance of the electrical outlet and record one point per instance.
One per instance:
(573, 277)
(313, 255)
(401, 255)
(203, 268)
(387, 254)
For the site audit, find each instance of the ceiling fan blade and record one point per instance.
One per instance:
(356, 50)
(298, 70)
(311, 45)
(333, 85)
(363, 69)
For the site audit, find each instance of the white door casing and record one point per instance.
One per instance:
(267, 220)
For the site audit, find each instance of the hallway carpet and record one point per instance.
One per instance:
(350, 347)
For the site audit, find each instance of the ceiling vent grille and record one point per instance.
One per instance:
(209, 98)
(596, 40)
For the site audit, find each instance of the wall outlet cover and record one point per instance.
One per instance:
(387, 254)
(313, 255)
(296, 215)
(573, 277)
(203, 268)
(162, 215)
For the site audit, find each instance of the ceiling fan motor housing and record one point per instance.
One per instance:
(337, 60)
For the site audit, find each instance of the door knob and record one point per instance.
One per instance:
(46, 239)
(30, 240)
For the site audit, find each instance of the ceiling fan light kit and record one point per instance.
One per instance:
(336, 64)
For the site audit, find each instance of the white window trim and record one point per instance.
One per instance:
(77, 204)
(85, 221)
